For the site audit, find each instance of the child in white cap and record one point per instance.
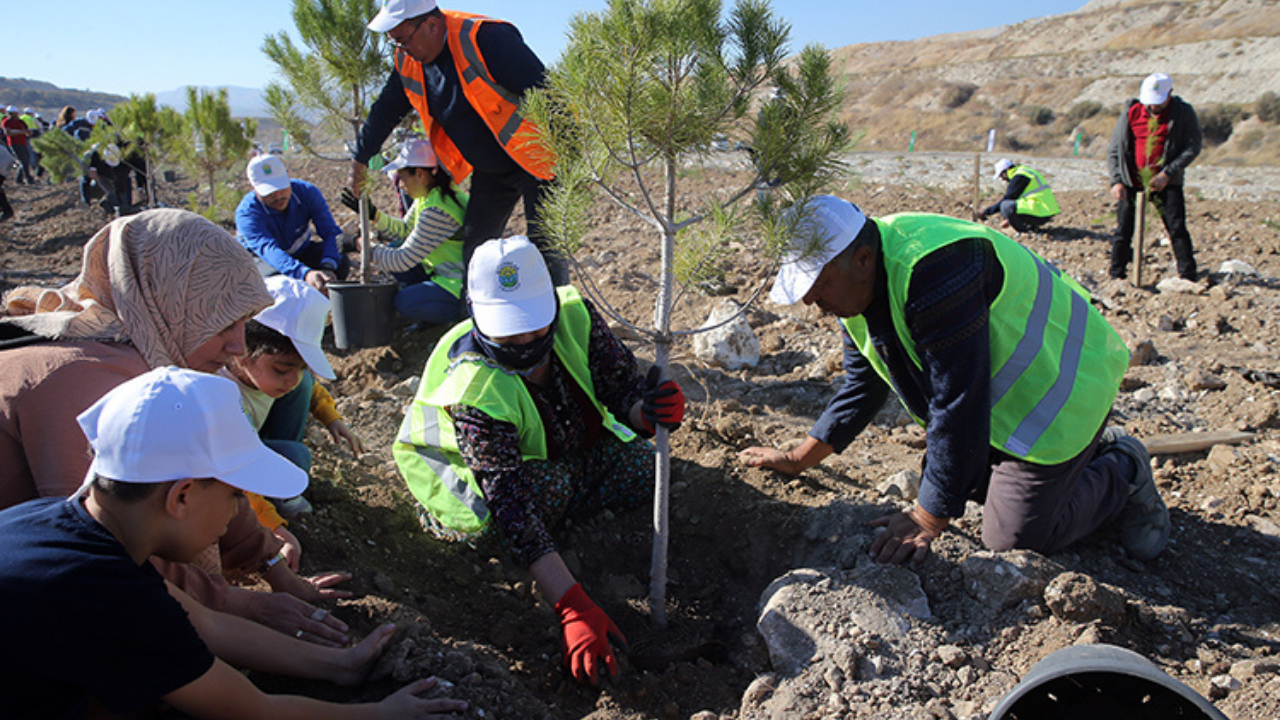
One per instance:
(426, 255)
(88, 622)
(277, 382)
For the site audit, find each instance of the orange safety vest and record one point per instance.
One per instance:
(497, 106)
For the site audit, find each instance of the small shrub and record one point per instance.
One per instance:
(1217, 122)
(1269, 107)
(1082, 111)
(1015, 145)
(1040, 115)
(953, 96)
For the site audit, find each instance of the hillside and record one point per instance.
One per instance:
(48, 99)
(952, 89)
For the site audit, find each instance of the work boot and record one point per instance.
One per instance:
(1144, 524)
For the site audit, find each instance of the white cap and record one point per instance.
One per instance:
(1001, 165)
(299, 313)
(509, 288)
(92, 117)
(11, 109)
(27, 111)
(111, 153)
(174, 424)
(414, 153)
(831, 225)
(267, 174)
(1155, 89)
(394, 12)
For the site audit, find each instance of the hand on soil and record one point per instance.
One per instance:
(405, 703)
(906, 535)
(770, 458)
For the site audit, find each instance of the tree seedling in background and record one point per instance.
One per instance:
(330, 83)
(644, 87)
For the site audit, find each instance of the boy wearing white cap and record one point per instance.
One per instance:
(428, 260)
(276, 376)
(90, 626)
(1155, 139)
(527, 414)
(997, 354)
(274, 221)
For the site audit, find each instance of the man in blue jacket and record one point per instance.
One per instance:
(274, 221)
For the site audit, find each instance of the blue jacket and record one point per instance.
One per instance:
(277, 237)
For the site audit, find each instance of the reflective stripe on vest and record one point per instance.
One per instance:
(497, 107)
(426, 445)
(1050, 404)
(1037, 200)
(1056, 362)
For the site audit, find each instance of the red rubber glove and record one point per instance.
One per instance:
(585, 632)
(662, 402)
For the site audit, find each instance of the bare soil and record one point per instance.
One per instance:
(470, 616)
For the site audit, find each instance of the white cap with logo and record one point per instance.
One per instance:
(174, 424)
(830, 226)
(394, 12)
(299, 313)
(509, 288)
(1155, 89)
(267, 174)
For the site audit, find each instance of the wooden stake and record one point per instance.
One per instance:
(1194, 442)
(977, 172)
(1140, 229)
(364, 238)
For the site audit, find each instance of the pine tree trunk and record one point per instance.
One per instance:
(661, 440)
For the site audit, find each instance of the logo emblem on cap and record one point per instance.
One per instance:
(266, 169)
(508, 277)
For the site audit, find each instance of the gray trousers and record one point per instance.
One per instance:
(1047, 507)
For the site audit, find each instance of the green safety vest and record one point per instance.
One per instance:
(444, 264)
(1056, 363)
(1037, 200)
(426, 449)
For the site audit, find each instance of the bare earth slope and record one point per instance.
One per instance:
(1205, 611)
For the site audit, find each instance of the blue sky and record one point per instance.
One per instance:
(135, 46)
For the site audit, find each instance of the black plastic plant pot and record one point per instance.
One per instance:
(363, 314)
(1101, 682)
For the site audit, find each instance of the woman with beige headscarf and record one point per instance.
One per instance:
(163, 287)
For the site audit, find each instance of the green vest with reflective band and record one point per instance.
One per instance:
(1037, 200)
(1056, 363)
(426, 449)
(444, 264)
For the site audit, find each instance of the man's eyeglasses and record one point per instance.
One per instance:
(402, 42)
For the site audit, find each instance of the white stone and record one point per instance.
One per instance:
(1179, 285)
(733, 345)
(1238, 267)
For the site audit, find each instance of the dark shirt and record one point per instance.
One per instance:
(512, 64)
(1017, 186)
(491, 448)
(946, 313)
(80, 619)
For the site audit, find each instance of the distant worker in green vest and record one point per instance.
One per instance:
(998, 355)
(528, 414)
(1028, 202)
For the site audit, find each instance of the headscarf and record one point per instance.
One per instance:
(164, 280)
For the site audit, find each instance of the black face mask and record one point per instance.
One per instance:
(522, 358)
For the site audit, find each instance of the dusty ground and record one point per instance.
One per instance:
(1208, 607)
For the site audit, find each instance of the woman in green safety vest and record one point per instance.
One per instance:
(1028, 202)
(426, 257)
(998, 355)
(528, 414)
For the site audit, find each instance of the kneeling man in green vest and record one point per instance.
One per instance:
(528, 414)
(1002, 359)
(1028, 201)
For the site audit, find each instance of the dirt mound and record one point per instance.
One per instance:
(1206, 610)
